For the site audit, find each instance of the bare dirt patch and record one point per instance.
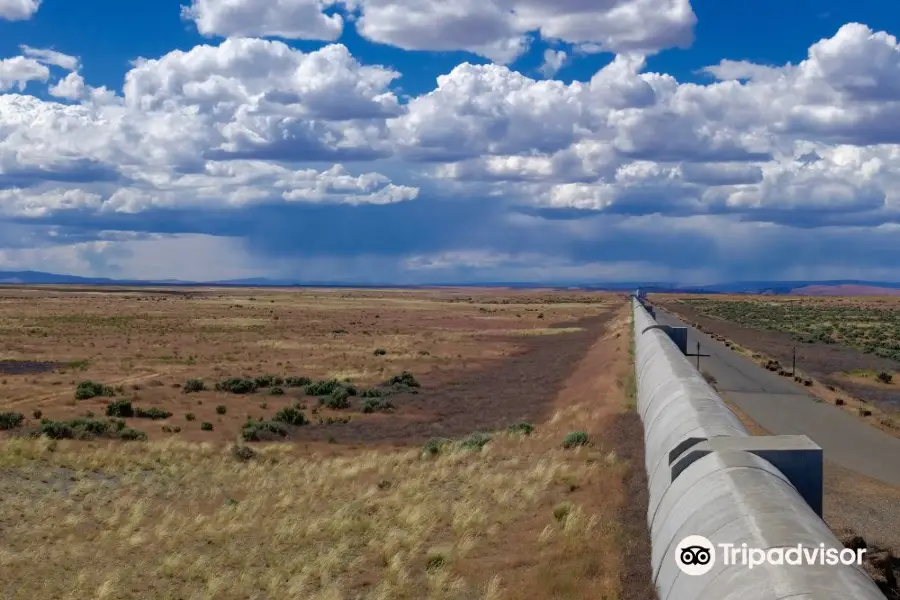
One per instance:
(520, 387)
(26, 367)
(626, 435)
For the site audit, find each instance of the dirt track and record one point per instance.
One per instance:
(453, 404)
(626, 435)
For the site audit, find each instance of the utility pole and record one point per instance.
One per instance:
(698, 355)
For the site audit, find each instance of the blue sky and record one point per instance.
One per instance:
(416, 141)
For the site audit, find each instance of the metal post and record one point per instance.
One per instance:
(698, 356)
(794, 361)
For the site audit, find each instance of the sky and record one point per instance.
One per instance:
(426, 141)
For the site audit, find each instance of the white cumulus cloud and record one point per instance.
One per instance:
(70, 87)
(51, 57)
(553, 62)
(497, 29)
(16, 72)
(294, 19)
(18, 10)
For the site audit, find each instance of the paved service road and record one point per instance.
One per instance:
(783, 407)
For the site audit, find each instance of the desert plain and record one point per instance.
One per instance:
(320, 443)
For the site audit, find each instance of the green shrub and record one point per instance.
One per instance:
(193, 385)
(264, 381)
(521, 428)
(206, 426)
(221, 409)
(371, 393)
(93, 427)
(404, 380)
(11, 420)
(322, 388)
(190, 416)
(151, 413)
(377, 405)
(276, 391)
(120, 408)
(474, 441)
(290, 416)
(884, 377)
(562, 510)
(338, 399)
(380, 352)
(132, 435)
(435, 446)
(81, 365)
(576, 438)
(434, 562)
(56, 430)
(79, 428)
(237, 385)
(297, 381)
(91, 389)
(243, 453)
(37, 414)
(257, 431)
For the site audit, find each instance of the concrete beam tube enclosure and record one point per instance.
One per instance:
(708, 476)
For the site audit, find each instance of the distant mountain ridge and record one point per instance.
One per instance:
(844, 287)
(845, 290)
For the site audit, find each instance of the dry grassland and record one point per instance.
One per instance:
(511, 517)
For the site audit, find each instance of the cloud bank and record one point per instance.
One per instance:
(246, 156)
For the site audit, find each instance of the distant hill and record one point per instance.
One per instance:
(845, 290)
(843, 287)
(38, 278)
